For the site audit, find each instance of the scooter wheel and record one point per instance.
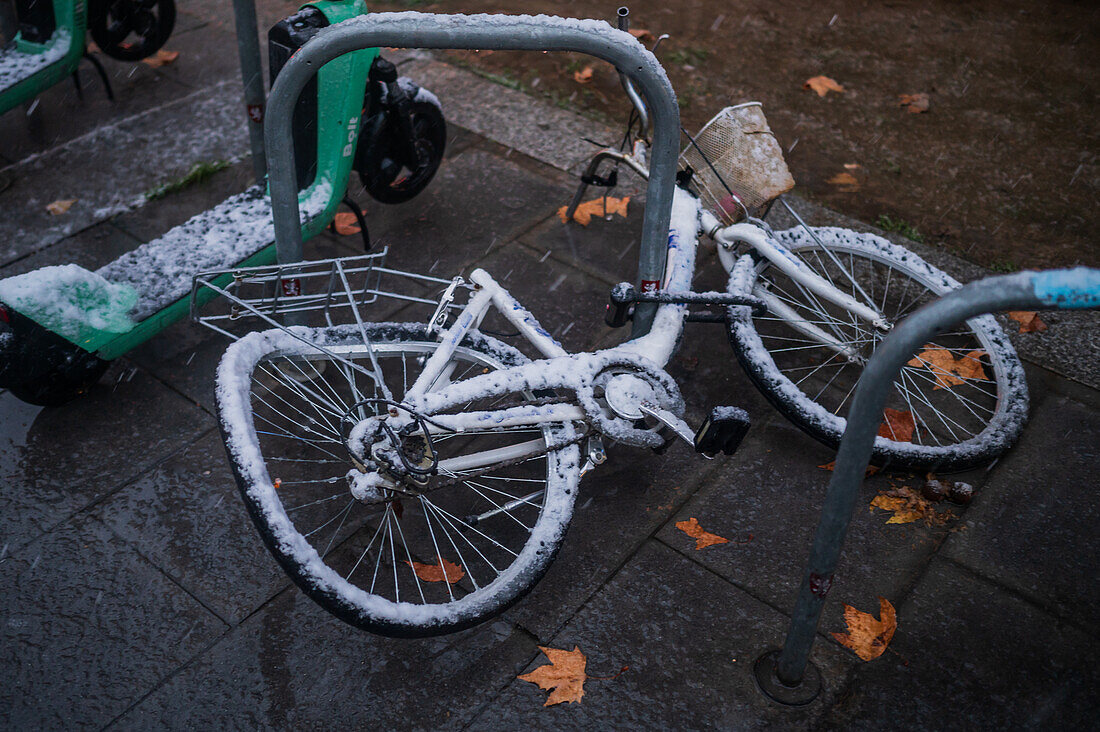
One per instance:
(387, 176)
(130, 30)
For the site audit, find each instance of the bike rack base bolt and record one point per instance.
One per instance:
(764, 671)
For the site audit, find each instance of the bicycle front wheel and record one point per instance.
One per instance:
(423, 560)
(960, 402)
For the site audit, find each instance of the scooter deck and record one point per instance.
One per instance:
(23, 74)
(128, 301)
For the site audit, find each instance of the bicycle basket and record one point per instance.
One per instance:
(735, 157)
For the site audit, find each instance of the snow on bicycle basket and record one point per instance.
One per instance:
(738, 165)
(320, 292)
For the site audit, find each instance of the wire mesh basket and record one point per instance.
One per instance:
(320, 292)
(738, 164)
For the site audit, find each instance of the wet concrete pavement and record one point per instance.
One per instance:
(137, 595)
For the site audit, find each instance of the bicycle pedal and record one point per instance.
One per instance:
(722, 431)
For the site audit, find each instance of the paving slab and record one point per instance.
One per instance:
(477, 201)
(968, 655)
(91, 249)
(187, 519)
(689, 639)
(120, 161)
(1029, 527)
(294, 665)
(767, 499)
(88, 628)
(60, 460)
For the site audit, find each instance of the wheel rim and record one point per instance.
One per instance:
(951, 389)
(409, 566)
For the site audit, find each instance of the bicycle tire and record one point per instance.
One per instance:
(1006, 420)
(319, 573)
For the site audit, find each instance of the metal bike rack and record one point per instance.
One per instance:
(496, 32)
(252, 75)
(786, 675)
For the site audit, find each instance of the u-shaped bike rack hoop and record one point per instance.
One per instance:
(786, 675)
(496, 32)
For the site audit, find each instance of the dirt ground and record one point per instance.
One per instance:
(1003, 169)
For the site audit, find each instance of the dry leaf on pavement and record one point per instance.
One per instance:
(439, 571)
(847, 182)
(161, 58)
(948, 369)
(642, 35)
(822, 85)
(867, 636)
(564, 674)
(1029, 321)
(831, 466)
(59, 207)
(583, 76)
(897, 425)
(908, 505)
(703, 539)
(915, 103)
(596, 207)
(346, 224)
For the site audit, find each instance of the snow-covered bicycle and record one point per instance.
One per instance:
(418, 478)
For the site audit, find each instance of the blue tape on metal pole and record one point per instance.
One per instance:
(1069, 288)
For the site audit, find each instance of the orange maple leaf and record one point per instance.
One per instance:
(439, 571)
(584, 75)
(565, 675)
(346, 224)
(847, 182)
(1029, 321)
(703, 539)
(59, 207)
(596, 207)
(867, 636)
(897, 425)
(822, 85)
(162, 58)
(948, 369)
(914, 103)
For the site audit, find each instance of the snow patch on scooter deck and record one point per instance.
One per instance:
(161, 270)
(92, 309)
(79, 305)
(16, 65)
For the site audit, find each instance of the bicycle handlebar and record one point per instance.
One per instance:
(498, 32)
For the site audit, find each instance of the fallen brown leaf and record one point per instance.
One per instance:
(948, 369)
(583, 76)
(915, 103)
(1029, 321)
(596, 207)
(868, 636)
(847, 182)
(852, 166)
(565, 675)
(822, 85)
(59, 207)
(831, 466)
(641, 34)
(438, 572)
(908, 505)
(345, 223)
(703, 539)
(161, 58)
(897, 425)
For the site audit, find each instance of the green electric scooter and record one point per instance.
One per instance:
(50, 38)
(61, 326)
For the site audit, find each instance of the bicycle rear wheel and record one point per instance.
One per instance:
(960, 402)
(437, 559)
